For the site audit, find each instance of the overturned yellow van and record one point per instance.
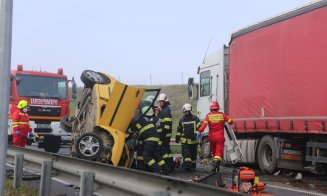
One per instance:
(104, 112)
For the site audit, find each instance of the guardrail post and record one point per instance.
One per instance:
(45, 183)
(6, 10)
(18, 170)
(86, 186)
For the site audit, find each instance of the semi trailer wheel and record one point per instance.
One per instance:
(52, 143)
(89, 146)
(267, 154)
(89, 78)
(65, 124)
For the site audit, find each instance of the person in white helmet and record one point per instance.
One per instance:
(187, 132)
(166, 125)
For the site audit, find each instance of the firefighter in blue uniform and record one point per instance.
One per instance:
(187, 134)
(166, 125)
(148, 157)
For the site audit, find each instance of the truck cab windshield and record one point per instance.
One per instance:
(41, 87)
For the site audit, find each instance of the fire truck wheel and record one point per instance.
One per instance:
(89, 78)
(10, 139)
(89, 146)
(205, 149)
(267, 154)
(52, 143)
(65, 124)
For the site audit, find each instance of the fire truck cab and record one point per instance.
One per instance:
(47, 95)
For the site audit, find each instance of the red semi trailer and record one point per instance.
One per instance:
(272, 81)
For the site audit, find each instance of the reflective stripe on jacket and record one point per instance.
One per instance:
(188, 128)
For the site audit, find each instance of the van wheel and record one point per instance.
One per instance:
(267, 155)
(52, 143)
(65, 124)
(89, 78)
(89, 146)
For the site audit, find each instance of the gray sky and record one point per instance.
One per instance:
(130, 39)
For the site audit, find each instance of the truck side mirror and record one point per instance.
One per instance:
(195, 90)
(192, 89)
(74, 89)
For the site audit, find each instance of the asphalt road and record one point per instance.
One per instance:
(281, 185)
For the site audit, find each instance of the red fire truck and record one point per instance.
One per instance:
(47, 95)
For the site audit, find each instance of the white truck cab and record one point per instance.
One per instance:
(213, 80)
(213, 86)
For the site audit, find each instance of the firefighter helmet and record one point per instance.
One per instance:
(187, 107)
(22, 104)
(147, 111)
(214, 106)
(163, 97)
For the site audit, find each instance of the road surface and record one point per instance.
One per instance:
(281, 185)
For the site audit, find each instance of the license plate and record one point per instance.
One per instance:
(44, 126)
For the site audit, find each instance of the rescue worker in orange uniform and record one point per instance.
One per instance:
(216, 121)
(20, 123)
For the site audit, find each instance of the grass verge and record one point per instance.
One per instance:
(24, 190)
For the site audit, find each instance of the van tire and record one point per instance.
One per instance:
(89, 146)
(89, 78)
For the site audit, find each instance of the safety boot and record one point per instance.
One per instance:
(187, 166)
(216, 164)
(165, 170)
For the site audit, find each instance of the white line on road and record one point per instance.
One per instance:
(297, 190)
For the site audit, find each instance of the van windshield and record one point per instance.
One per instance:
(41, 86)
(148, 100)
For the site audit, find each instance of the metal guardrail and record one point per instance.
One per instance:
(108, 179)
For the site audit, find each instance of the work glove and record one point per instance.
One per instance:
(177, 139)
(198, 135)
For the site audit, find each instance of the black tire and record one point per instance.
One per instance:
(89, 78)
(89, 146)
(65, 124)
(40, 144)
(52, 143)
(29, 142)
(10, 139)
(267, 155)
(205, 148)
